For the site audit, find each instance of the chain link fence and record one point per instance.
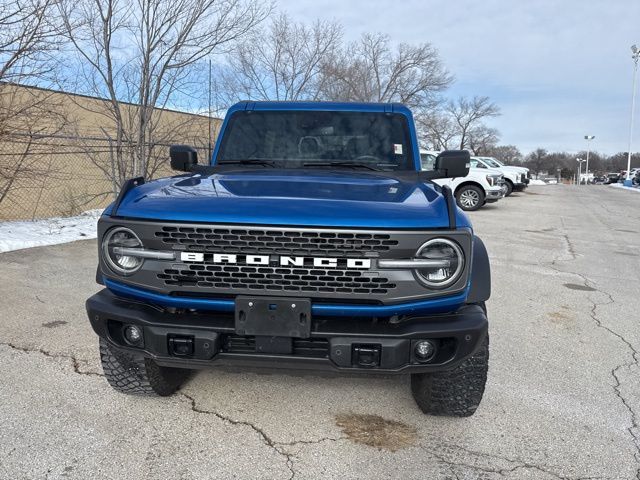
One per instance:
(43, 176)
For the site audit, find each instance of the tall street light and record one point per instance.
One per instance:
(580, 160)
(588, 138)
(635, 55)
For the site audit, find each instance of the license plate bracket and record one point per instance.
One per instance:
(273, 317)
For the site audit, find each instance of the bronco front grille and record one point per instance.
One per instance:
(335, 282)
(249, 240)
(276, 279)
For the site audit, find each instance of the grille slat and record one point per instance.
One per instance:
(280, 242)
(293, 279)
(270, 278)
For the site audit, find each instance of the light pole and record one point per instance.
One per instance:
(579, 160)
(588, 138)
(635, 55)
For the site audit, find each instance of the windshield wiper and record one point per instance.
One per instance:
(251, 161)
(340, 164)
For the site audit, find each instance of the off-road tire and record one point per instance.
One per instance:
(137, 375)
(472, 189)
(509, 186)
(454, 393)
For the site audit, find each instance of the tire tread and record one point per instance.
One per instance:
(137, 375)
(456, 392)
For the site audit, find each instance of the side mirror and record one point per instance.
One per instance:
(453, 163)
(183, 157)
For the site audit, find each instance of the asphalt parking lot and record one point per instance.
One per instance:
(561, 402)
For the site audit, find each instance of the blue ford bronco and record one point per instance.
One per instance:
(310, 240)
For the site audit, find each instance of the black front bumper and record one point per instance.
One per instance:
(338, 344)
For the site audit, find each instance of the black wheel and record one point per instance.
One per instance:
(470, 197)
(454, 393)
(509, 186)
(134, 374)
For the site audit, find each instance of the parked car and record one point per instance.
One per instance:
(479, 187)
(516, 178)
(612, 177)
(524, 170)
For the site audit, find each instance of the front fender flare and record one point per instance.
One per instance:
(480, 273)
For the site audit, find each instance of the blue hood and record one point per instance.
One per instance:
(289, 197)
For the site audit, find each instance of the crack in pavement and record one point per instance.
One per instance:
(634, 427)
(74, 361)
(519, 464)
(569, 247)
(635, 360)
(276, 446)
(261, 433)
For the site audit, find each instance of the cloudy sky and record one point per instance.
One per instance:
(558, 69)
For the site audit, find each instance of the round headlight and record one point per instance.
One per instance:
(114, 245)
(445, 275)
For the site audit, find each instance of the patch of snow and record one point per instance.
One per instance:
(49, 231)
(535, 181)
(619, 185)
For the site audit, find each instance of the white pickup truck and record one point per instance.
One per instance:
(515, 178)
(480, 186)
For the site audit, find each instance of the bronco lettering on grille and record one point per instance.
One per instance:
(284, 261)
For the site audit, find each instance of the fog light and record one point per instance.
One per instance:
(133, 334)
(424, 350)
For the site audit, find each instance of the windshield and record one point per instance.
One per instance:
(292, 139)
(492, 162)
(476, 164)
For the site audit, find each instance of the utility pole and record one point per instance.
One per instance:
(588, 138)
(579, 160)
(635, 55)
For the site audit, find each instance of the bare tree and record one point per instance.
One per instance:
(482, 139)
(507, 154)
(468, 114)
(459, 123)
(27, 42)
(537, 160)
(137, 55)
(370, 70)
(436, 131)
(618, 162)
(26, 34)
(281, 62)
